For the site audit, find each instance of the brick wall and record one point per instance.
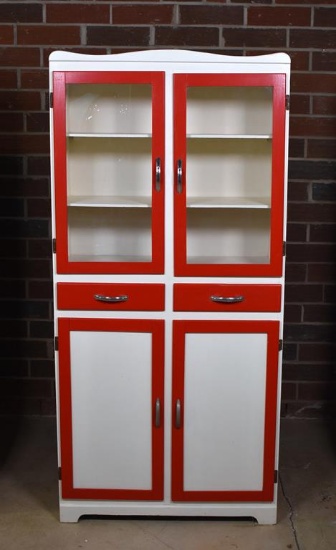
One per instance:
(29, 31)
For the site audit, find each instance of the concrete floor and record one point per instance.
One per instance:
(29, 508)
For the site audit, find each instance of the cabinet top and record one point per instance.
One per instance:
(173, 56)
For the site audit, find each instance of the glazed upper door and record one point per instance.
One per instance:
(229, 147)
(224, 410)
(109, 171)
(111, 408)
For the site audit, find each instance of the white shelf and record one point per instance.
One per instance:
(114, 258)
(229, 136)
(227, 260)
(228, 202)
(109, 202)
(107, 135)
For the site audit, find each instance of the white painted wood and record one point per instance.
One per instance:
(224, 411)
(111, 201)
(111, 409)
(227, 202)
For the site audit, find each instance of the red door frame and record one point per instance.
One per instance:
(278, 83)
(60, 81)
(180, 329)
(156, 328)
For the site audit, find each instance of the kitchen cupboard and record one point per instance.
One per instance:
(169, 214)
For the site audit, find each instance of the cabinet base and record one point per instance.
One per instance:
(265, 514)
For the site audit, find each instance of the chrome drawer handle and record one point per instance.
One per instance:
(111, 299)
(227, 299)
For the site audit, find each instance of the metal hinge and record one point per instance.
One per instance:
(51, 100)
(280, 345)
(276, 476)
(287, 102)
(56, 343)
(54, 246)
(60, 473)
(283, 248)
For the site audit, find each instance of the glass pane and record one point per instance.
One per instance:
(109, 172)
(229, 174)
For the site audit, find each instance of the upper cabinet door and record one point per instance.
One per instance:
(229, 149)
(109, 171)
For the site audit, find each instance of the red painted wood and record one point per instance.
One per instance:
(65, 327)
(274, 268)
(197, 297)
(81, 296)
(61, 80)
(180, 329)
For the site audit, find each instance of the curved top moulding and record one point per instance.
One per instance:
(175, 56)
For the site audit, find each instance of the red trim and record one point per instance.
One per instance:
(141, 296)
(278, 83)
(156, 328)
(180, 329)
(61, 79)
(197, 297)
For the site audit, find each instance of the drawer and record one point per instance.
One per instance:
(111, 297)
(215, 297)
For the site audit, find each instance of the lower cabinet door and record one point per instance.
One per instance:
(224, 410)
(111, 408)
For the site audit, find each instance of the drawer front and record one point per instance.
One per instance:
(110, 296)
(208, 297)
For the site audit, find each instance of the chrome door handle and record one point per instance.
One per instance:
(178, 414)
(157, 421)
(111, 299)
(158, 174)
(179, 176)
(227, 299)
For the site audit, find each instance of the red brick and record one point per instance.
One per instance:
(130, 14)
(13, 12)
(24, 144)
(321, 273)
(324, 61)
(319, 391)
(305, 2)
(20, 57)
(324, 17)
(78, 13)
(295, 273)
(34, 79)
(312, 212)
(313, 83)
(186, 36)
(6, 34)
(278, 16)
(307, 371)
(316, 313)
(38, 122)
(117, 36)
(319, 353)
(211, 15)
(8, 79)
(25, 187)
(296, 232)
(299, 104)
(42, 369)
(60, 35)
(254, 38)
(296, 148)
(39, 248)
(288, 390)
(293, 313)
(325, 105)
(321, 148)
(297, 293)
(312, 38)
(298, 191)
(299, 60)
(322, 233)
(11, 122)
(311, 252)
(38, 208)
(40, 290)
(20, 101)
(38, 166)
(312, 126)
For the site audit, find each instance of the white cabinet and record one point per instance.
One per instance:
(169, 187)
